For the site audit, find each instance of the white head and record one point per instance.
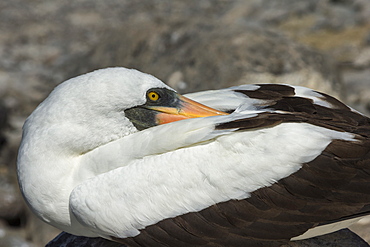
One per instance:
(91, 107)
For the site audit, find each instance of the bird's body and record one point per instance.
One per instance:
(284, 160)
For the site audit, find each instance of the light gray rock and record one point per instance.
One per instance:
(342, 238)
(192, 56)
(11, 204)
(10, 237)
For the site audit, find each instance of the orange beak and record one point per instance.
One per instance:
(188, 109)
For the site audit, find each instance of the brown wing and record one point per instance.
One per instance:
(332, 187)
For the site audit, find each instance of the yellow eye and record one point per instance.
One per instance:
(153, 96)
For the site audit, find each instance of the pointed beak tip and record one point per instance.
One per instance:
(187, 109)
(193, 109)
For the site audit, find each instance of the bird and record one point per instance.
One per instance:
(118, 154)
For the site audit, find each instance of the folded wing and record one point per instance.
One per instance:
(286, 160)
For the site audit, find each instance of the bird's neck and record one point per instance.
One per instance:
(49, 165)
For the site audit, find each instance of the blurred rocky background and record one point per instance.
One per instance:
(191, 45)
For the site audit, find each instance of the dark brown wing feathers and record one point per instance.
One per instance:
(332, 187)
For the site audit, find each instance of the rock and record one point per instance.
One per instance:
(193, 56)
(363, 59)
(15, 241)
(3, 123)
(12, 238)
(38, 231)
(358, 84)
(342, 238)
(11, 201)
(65, 240)
(11, 205)
(367, 39)
(338, 28)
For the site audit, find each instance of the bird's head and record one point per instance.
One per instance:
(143, 99)
(163, 105)
(110, 103)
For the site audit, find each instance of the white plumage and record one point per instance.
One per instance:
(85, 168)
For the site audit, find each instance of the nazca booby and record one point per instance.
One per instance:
(104, 155)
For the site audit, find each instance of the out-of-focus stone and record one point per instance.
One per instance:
(39, 232)
(176, 80)
(11, 203)
(15, 241)
(342, 238)
(358, 93)
(12, 237)
(209, 56)
(3, 123)
(65, 239)
(363, 59)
